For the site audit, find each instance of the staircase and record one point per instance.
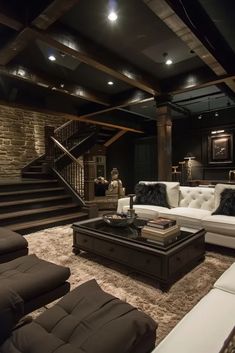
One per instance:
(29, 205)
(43, 198)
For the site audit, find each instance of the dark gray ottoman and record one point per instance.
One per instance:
(36, 281)
(86, 320)
(12, 245)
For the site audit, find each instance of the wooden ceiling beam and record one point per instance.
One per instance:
(112, 125)
(15, 46)
(52, 13)
(97, 57)
(194, 80)
(115, 138)
(133, 96)
(10, 22)
(26, 75)
(175, 19)
(115, 125)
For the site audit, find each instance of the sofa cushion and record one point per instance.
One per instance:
(197, 197)
(147, 211)
(172, 191)
(152, 194)
(219, 188)
(204, 328)
(229, 343)
(11, 311)
(86, 320)
(11, 241)
(227, 203)
(226, 281)
(30, 276)
(186, 216)
(219, 224)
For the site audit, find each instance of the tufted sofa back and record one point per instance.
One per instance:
(196, 197)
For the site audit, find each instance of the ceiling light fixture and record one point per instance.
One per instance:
(110, 83)
(199, 117)
(216, 114)
(62, 85)
(112, 16)
(168, 61)
(21, 72)
(52, 58)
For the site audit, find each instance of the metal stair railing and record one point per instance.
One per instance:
(73, 173)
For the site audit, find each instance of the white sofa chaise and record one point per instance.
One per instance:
(208, 325)
(193, 207)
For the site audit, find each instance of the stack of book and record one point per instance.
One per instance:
(161, 230)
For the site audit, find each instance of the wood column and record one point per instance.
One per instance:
(164, 143)
(89, 177)
(89, 185)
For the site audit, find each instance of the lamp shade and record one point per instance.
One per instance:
(189, 155)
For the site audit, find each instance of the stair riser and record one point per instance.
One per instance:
(37, 168)
(52, 224)
(36, 204)
(19, 187)
(42, 215)
(36, 175)
(31, 195)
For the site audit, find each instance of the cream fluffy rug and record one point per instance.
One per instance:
(55, 244)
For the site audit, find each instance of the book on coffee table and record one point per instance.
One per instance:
(161, 223)
(163, 237)
(160, 232)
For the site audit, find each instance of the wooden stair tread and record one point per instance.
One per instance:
(53, 219)
(36, 210)
(38, 199)
(27, 181)
(21, 192)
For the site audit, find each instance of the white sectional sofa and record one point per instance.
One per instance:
(209, 326)
(192, 206)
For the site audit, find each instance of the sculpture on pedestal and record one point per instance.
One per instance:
(115, 186)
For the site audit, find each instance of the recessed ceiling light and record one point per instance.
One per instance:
(169, 62)
(110, 83)
(21, 72)
(52, 58)
(112, 16)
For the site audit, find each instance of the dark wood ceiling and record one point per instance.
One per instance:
(90, 51)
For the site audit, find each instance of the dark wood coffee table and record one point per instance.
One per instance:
(126, 246)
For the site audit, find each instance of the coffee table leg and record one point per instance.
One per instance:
(165, 287)
(76, 249)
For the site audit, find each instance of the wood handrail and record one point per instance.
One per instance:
(62, 148)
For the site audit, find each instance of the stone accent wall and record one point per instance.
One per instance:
(22, 137)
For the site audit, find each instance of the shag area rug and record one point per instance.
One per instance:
(167, 308)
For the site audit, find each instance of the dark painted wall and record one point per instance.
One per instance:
(135, 157)
(120, 155)
(193, 135)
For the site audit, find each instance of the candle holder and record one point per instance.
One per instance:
(131, 211)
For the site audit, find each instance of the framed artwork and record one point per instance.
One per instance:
(220, 149)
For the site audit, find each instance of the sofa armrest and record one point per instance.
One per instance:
(125, 201)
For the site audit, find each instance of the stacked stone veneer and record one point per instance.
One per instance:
(22, 137)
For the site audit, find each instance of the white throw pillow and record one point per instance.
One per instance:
(219, 188)
(172, 191)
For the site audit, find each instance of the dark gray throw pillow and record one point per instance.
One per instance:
(227, 203)
(151, 194)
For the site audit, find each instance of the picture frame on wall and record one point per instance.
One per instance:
(220, 149)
